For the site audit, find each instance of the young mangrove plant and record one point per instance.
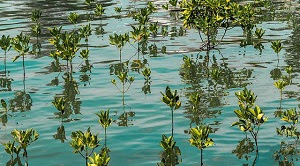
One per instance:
(153, 28)
(171, 153)
(36, 28)
(11, 149)
(25, 138)
(105, 121)
(137, 34)
(73, 18)
(59, 103)
(119, 41)
(99, 10)
(21, 44)
(101, 159)
(199, 138)
(124, 78)
(259, 32)
(84, 143)
(289, 71)
(5, 44)
(290, 116)
(251, 117)
(171, 99)
(280, 84)
(276, 46)
(85, 32)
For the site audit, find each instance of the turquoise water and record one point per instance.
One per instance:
(134, 136)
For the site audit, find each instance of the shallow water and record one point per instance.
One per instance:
(136, 132)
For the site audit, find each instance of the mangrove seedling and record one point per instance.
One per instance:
(171, 153)
(259, 32)
(73, 18)
(101, 159)
(291, 116)
(171, 99)
(124, 78)
(10, 148)
(99, 10)
(21, 45)
(84, 54)
(153, 28)
(59, 103)
(89, 2)
(289, 70)
(280, 84)
(119, 41)
(84, 143)
(137, 34)
(25, 138)
(250, 117)
(85, 32)
(199, 138)
(5, 44)
(36, 15)
(118, 9)
(276, 46)
(105, 121)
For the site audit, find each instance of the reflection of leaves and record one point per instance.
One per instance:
(171, 154)
(276, 74)
(15, 161)
(61, 134)
(124, 119)
(22, 102)
(244, 147)
(115, 69)
(287, 154)
(5, 84)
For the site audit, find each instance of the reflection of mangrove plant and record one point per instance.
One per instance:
(250, 119)
(287, 154)
(244, 147)
(124, 78)
(36, 28)
(3, 112)
(84, 143)
(199, 138)
(5, 44)
(147, 84)
(291, 117)
(59, 104)
(171, 153)
(171, 99)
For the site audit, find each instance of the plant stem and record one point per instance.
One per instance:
(120, 54)
(201, 157)
(5, 62)
(23, 67)
(172, 122)
(280, 98)
(123, 92)
(105, 137)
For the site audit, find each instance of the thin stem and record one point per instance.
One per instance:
(23, 66)
(201, 157)
(120, 50)
(5, 61)
(280, 98)
(105, 137)
(123, 92)
(172, 110)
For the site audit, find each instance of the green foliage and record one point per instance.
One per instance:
(89, 2)
(290, 116)
(84, 142)
(153, 28)
(173, 2)
(5, 43)
(10, 148)
(118, 9)
(138, 33)
(84, 54)
(123, 78)
(36, 29)
(119, 40)
(25, 138)
(280, 84)
(21, 44)
(199, 137)
(104, 119)
(101, 159)
(171, 99)
(250, 119)
(73, 18)
(36, 15)
(146, 72)
(276, 46)
(59, 103)
(85, 31)
(244, 15)
(99, 10)
(171, 153)
(259, 32)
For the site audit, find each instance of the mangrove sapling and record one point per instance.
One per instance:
(289, 70)
(105, 122)
(171, 153)
(171, 99)
(137, 34)
(59, 103)
(99, 10)
(84, 143)
(251, 117)
(21, 44)
(5, 44)
(259, 32)
(153, 28)
(73, 18)
(146, 73)
(25, 138)
(276, 46)
(11, 149)
(291, 116)
(124, 78)
(101, 159)
(280, 84)
(119, 41)
(199, 138)
(207, 17)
